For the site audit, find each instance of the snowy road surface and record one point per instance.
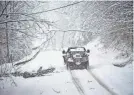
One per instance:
(102, 79)
(77, 82)
(86, 83)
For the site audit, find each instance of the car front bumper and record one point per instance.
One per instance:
(73, 65)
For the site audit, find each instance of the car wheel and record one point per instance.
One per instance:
(67, 64)
(87, 65)
(64, 60)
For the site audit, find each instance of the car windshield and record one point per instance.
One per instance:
(77, 49)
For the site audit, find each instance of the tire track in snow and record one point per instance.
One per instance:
(77, 83)
(102, 83)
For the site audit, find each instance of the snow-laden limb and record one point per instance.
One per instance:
(27, 58)
(35, 53)
(9, 68)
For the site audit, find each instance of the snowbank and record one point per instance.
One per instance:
(101, 65)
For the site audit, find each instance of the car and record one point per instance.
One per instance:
(76, 58)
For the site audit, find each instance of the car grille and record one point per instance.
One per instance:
(78, 60)
(77, 56)
(83, 59)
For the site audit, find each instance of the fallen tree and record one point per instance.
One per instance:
(39, 49)
(40, 72)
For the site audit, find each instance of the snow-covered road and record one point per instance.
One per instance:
(97, 81)
(86, 84)
(102, 78)
(62, 82)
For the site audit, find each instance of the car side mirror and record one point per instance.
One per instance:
(63, 52)
(88, 51)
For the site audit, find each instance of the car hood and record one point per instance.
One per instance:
(77, 54)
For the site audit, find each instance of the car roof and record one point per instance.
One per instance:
(74, 48)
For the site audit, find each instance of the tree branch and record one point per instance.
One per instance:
(49, 9)
(4, 9)
(57, 8)
(70, 30)
(40, 48)
(25, 20)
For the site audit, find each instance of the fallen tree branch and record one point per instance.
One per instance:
(40, 72)
(56, 91)
(40, 48)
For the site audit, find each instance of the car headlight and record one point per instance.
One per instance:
(84, 59)
(70, 59)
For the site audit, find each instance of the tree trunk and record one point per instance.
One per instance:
(7, 41)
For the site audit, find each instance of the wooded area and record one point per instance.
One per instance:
(61, 24)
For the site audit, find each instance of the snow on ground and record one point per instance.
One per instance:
(61, 82)
(89, 84)
(52, 84)
(120, 80)
(45, 59)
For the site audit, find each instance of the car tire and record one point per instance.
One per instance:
(67, 65)
(87, 65)
(64, 60)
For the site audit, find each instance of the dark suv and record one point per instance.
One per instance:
(76, 57)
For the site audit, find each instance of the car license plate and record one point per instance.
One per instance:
(78, 56)
(77, 60)
(78, 63)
